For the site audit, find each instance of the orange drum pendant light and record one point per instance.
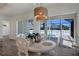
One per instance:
(40, 13)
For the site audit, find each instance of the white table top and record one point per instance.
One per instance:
(39, 47)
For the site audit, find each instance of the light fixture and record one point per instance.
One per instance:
(40, 13)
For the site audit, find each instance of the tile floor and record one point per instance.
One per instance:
(58, 51)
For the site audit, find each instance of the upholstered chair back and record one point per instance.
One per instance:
(22, 46)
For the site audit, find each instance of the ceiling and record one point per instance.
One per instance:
(13, 9)
(18, 8)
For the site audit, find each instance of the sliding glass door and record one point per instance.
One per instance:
(53, 31)
(66, 31)
(61, 31)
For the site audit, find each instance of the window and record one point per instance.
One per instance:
(25, 26)
(42, 28)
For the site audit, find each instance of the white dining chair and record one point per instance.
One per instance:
(21, 36)
(22, 46)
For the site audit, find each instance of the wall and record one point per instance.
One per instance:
(12, 34)
(4, 26)
(0, 29)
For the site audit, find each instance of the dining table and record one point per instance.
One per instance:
(41, 47)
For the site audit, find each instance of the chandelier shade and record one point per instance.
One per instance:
(40, 13)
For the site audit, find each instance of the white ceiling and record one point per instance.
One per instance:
(18, 8)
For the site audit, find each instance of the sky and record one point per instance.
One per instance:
(57, 21)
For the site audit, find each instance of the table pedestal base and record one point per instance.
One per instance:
(34, 53)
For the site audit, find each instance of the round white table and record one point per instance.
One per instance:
(43, 46)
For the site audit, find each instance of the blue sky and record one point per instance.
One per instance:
(57, 21)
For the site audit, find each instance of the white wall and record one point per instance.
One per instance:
(12, 34)
(0, 29)
(4, 30)
(77, 28)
